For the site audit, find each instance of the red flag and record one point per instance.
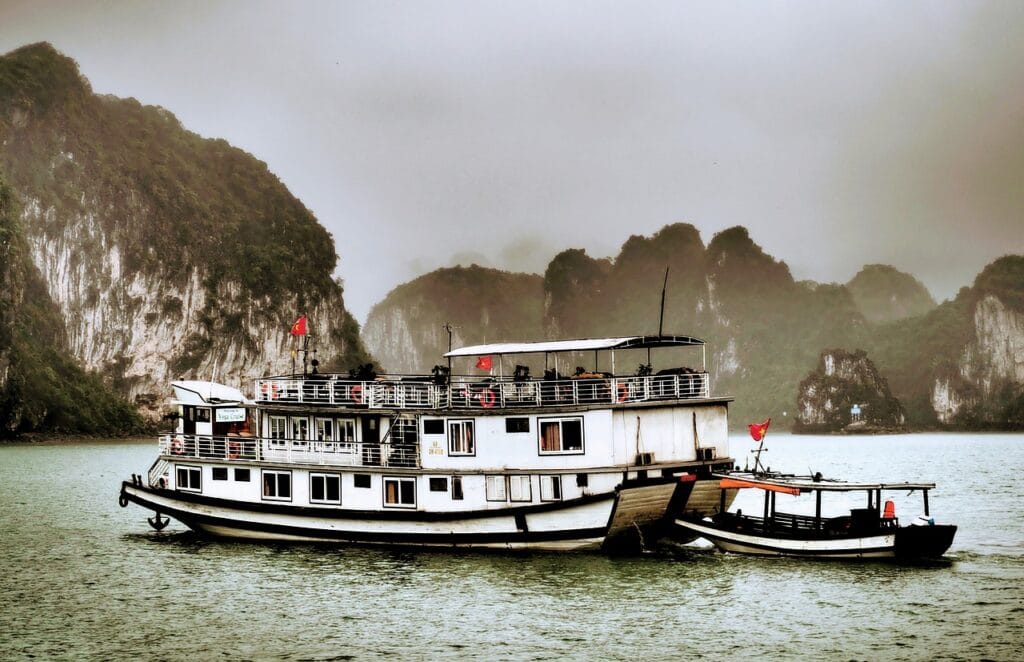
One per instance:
(759, 430)
(483, 363)
(299, 328)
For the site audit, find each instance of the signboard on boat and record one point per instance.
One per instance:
(231, 415)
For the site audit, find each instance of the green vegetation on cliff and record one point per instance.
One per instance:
(883, 294)
(42, 389)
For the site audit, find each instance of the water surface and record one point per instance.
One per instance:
(84, 578)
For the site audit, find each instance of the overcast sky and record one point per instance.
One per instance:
(422, 134)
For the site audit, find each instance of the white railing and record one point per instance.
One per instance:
(288, 451)
(474, 393)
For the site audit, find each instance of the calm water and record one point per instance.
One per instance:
(84, 578)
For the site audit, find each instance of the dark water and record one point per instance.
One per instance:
(85, 579)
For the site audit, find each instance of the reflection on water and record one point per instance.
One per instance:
(86, 579)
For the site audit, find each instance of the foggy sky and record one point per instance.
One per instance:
(424, 134)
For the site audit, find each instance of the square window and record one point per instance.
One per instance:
(519, 488)
(551, 488)
(400, 492)
(582, 480)
(513, 425)
(563, 435)
(460, 438)
(220, 473)
(324, 488)
(496, 490)
(189, 478)
(433, 426)
(438, 484)
(361, 480)
(242, 475)
(277, 485)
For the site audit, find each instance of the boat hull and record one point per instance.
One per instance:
(615, 521)
(907, 542)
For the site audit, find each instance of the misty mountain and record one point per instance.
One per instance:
(766, 331)
(167, 255)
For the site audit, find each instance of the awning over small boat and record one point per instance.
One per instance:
(581, 345)
(737, 483)
(807, 484)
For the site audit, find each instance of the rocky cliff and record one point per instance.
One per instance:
(846, 393)
(167, 255)
(42, 388)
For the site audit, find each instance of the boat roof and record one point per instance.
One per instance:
(581, 345)
(778, 483)
(199, 393)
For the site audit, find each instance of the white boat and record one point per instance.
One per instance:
(868, 532)
(600, 460)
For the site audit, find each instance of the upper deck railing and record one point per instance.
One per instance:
(477, 393)
(182, 447)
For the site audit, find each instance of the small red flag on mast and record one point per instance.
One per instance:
(759, 430)
(483, 363)
(299, 328)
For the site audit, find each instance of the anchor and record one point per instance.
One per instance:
(158, 523)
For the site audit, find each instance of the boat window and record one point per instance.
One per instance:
(564, 435)
(300, 428)
(460, 438)
(324, 488)
(277, 485)
(496, 490)
(400, 492)
(519, 488)
(220, 473)
(278, 427)
(517, 425)
(203, 415)
(189, 478)
(438, 484)
(361, 480)
(456, 488)
(346, 434)
(551, 488)
(325, 430)
(242, 475)
(433, 426)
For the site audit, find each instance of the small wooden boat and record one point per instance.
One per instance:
(871, 532)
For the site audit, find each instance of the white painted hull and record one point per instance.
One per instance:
(572, 526)
(867, 547)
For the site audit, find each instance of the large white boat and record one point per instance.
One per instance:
(599, 460)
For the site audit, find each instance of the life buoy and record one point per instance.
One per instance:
(487, 398)
(177, 446)
(623, 390)
(356, 392)
(233, 450)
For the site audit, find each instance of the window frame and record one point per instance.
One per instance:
(518, 420)
(278, 430)
(432, 421)
(518, 478)
(436, 486)
(457, 493)
(493, 479)
(190, 471)
(277, 486)
(462, 423)
(561, 421)
(399, 480)
(554, 488)
(238, 472)
(215, 470)
(325, 476)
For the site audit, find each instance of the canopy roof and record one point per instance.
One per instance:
(199, 393)
(790, 484)
(582, 345)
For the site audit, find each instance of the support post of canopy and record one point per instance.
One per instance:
(926, 503)
(764, 523)
(817, 509)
